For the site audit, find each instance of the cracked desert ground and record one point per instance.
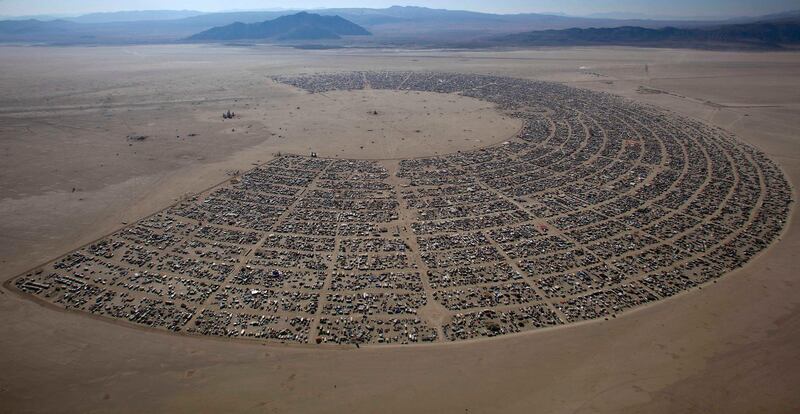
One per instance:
(69, 175)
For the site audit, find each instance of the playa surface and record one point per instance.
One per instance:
(72, 173)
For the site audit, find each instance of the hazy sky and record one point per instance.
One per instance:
(688, 8)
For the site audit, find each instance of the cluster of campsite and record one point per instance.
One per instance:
(598, 205)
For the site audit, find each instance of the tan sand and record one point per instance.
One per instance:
(730, 347)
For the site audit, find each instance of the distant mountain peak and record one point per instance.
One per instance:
(299, 26)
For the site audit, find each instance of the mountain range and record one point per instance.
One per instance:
(768, 35)
(134, 16)
(392, 26)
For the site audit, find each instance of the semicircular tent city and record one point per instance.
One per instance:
(599, 205)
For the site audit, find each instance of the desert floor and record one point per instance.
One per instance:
(69, 175)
